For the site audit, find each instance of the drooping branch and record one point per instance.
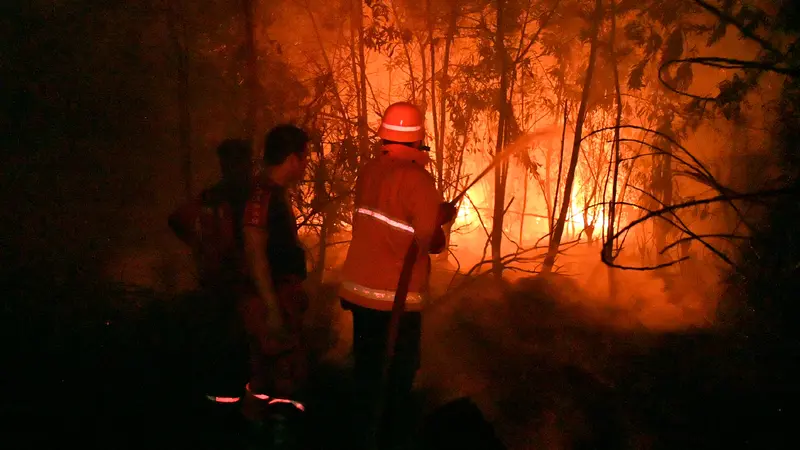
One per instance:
(721, 63)
(699, 174)
(672, 208)
(728, 19)
(667, 137)
(679, 224)
(710, 235)
(698, 170)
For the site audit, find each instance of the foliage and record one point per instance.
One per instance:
(543, 48)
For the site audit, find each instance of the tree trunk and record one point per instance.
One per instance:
(321, 198)
(423, 104)
(524, 207)
(608, 247)
(588, 227)
(441, 123)
(438, 163)
(251, 71)
(176, 21)
(356, 43)
(363, 131)
(662, 189)
(502, 169)
(458, 148)
(444, 90)
(547, 186)
(555, 239)
(552, 215)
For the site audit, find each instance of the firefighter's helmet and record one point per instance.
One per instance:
(402, 122)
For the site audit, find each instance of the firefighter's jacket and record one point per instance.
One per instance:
(396, 200)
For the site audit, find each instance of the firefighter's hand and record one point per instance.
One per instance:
(438, 242)
(447, 213)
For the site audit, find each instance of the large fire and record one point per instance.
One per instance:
(413, 70)
(586, 214)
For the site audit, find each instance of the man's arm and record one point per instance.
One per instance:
(256, 238)
(182, 221)
(255, 243)
(424, 203)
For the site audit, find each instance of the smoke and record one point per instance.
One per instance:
(541, 355)
(526, 355)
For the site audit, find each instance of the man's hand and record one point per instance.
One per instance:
(276, 326)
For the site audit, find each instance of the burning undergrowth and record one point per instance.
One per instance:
(528, 357)
(547, 365)
(546, 358)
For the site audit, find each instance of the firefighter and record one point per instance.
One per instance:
(211, 226)
(396, 200)
(273, 311)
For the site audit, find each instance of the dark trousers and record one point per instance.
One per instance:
(220, 343)
(370, 333)
(277, 369)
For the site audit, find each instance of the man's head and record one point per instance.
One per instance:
(286, 153)
(235, 162)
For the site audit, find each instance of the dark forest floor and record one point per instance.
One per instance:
(98, 369)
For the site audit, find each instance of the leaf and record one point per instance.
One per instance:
(727, 5)
(627, 5)
(751, 18)
(683, 78)
(528, 162)
(634, 31)
(674, 46)
(696, 29)
(717, 34)
(627, 109)
(653, 43)
(406, 35)
(669, 12)
(624, 52)
(636, 77)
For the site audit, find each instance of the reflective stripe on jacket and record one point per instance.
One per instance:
(396, 201)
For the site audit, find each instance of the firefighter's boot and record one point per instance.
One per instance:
(285, 425)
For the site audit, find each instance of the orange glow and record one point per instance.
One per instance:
(469, 233)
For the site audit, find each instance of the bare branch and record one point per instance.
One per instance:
(692, 238)
(721, 63)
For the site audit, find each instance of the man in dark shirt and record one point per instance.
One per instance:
(211, 225)
(273, 312)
